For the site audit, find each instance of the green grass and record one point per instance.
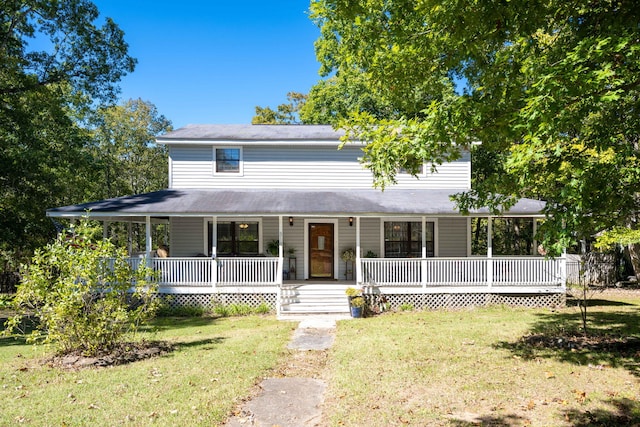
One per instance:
(472, 367)
(436, 368)
(215, 365)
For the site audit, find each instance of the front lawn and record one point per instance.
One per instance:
(496, 366)
(491, 366)
(215, 364)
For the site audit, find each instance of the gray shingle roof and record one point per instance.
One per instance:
(283, 202)
(253, 133)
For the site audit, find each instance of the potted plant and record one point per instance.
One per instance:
(273, 247)
(292, 252)
(356, 301)
(353, 292)
(357, 306)
(348, 255)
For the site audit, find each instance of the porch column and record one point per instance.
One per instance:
(214, 237)
(148, 241)
(129, 239)
(534, 249)
(214, 251)
(489, 251)
(105, 230)
(358, 254)
(279, 269)
(563, 269)
(423, 262)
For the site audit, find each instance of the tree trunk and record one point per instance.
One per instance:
(634, 256)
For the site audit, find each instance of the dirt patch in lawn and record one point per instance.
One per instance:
(122, 354)
(303, 364)
(623, 346)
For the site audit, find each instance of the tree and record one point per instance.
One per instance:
(334, 98)
(43, 163)
(78, 52)
(550, 88)
(129, 160)
(55, 65)
(286, 113)
(79, 290)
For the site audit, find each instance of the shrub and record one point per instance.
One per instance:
(240, 310)
(221, 310)
(84, 293)
(405, 306)
(181, 311)
(263, 308)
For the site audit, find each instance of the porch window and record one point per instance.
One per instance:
(236, 238)
(404, 239)
(510, 236)
(228, 160)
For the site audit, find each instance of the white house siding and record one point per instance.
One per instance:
(347, 240)
(296, 167)
(452, 237)
(187, 237)
(370, 238)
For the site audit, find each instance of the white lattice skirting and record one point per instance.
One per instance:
(437, 301)
(207, 300)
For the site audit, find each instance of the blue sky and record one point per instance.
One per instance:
(214, 61)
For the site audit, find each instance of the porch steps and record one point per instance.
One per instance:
(315, 298)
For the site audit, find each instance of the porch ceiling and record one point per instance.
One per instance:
(190, 202)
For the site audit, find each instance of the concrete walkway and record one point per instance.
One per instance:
(292, 402)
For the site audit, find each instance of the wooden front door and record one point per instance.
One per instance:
(321, 251)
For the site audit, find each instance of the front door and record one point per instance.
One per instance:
(321, 251)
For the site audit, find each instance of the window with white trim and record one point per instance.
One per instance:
(227, 160)
(403, 239)
(236, 238)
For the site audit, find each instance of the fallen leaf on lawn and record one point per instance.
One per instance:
(93, 406)
(580, 395)
(531, 405)
(173, 411)
(549, 374)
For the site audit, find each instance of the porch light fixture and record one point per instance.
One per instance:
(243, 225)
(291, 221)
(350, 221)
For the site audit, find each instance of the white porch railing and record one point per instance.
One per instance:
(184, 271)
(392, 271)
(395, 272)
(207, 272)
(248, 271)
(474, 272)
(527, 271)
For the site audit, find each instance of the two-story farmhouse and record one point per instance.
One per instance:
(277, 214)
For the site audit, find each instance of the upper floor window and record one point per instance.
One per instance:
(420, 172)
(404, 239)
(228, 160)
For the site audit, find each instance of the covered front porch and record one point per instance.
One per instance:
(475, 274)
(269, 246)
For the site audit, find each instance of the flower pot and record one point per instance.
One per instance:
(356, 311)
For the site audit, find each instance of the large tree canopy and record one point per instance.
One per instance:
(128, 159)
(50, 42)
(551, 89)
(56, 64)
